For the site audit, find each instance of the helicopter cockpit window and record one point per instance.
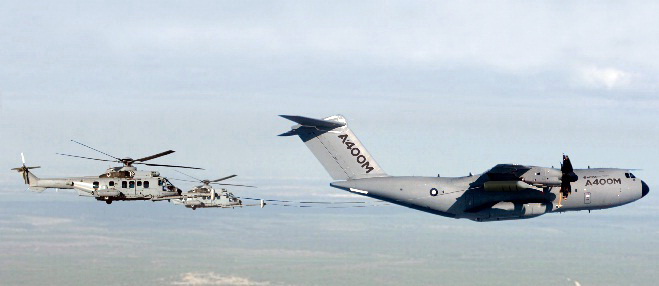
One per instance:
(627, 175)
(139, 183)
(95, 184)
(131, 184)
(124, 184)
(632, 176)
(111, 183)
(146, 184)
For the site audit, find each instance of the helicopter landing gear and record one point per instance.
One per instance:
(108, 200)
(194, 208)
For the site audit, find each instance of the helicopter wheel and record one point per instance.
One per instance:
(194, 208)
(108, 202)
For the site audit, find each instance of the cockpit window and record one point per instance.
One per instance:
(632, 176)
(627, 175)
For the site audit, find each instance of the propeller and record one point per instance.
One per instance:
(207, 182)
(25, 170)
(128, 161)
(568, 176)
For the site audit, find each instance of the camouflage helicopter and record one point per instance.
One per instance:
(205, 196)
(116, 184)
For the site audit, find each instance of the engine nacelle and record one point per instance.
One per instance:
(509, 211)
(549, 177)
(507, 186)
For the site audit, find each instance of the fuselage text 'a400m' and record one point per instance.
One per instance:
(505, 192)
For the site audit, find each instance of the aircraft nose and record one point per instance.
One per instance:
(644, 189)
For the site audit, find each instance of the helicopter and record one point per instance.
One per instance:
(205, 196)
(121, 183)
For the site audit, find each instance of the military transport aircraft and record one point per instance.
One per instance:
(505, 192)
(116, 184)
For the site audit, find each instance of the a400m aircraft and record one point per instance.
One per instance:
(505, 192)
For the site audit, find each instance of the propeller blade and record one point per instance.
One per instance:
(169, 166)
(155, 156)
(567, 178)
(198, 180)
(22, 158)
(106, 154)
(222, 179)
(246, 186)
(85, 157)
(566, 167)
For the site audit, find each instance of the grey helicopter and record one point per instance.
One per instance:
(505, 192)
(120, 183)
(205, 196)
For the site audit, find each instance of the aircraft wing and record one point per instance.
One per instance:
(507, 172)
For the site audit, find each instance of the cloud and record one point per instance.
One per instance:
(609, 78)
(210, 278)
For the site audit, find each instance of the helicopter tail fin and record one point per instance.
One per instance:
(335, 146)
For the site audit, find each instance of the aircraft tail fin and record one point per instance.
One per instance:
(335, 146)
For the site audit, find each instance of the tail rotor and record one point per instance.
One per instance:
(24, 170)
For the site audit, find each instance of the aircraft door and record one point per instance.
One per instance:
(130, 189)
(586, 198)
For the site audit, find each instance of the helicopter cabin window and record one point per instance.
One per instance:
(159, 182)
(139, 183)
(95, 184)
(632, 176)
(627, 175)
(131, 184)
(111, 183)
(124, 184)
(146, 184)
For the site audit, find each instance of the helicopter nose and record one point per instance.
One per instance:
(644, 189)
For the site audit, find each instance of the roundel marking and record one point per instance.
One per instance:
(434, 192)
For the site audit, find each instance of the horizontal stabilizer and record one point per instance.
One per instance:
(311, 122)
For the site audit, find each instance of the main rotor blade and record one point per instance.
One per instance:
(198, 180)
(247, 186)
(85, 157)
(183, 180)
(155, 156)
(106, 154)
(222, 179)
(169, 166)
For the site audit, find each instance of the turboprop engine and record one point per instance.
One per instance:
(508, 211)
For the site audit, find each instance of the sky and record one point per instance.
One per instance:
(429, 87)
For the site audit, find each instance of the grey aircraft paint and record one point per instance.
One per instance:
(504, 192)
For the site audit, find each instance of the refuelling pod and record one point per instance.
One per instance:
(509, 211)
